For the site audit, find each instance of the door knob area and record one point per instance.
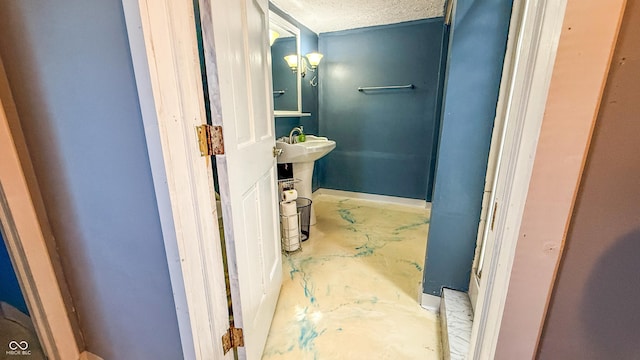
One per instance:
(277, 151)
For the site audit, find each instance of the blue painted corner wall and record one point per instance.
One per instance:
(384, 138)
(9, 287)
(477, 45)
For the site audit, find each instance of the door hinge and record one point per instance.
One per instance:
(232, 339)
(210, 140)
(493, 216)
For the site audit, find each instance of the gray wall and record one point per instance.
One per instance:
(384, 138)
(594, 312)
(477, 44)
(70, 71)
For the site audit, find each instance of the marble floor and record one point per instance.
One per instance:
(352, 292)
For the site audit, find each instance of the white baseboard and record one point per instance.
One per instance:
(431, 303)
(85, 355)
(373, 197)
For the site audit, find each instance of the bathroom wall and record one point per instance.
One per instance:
(444, 52)
(477, 44)
(9, 288)
(384, 139)
(593, 312)
(308, 43)
(70, 71)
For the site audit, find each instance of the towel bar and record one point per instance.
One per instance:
(390, 87)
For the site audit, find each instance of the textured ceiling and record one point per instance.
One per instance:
(333, 15)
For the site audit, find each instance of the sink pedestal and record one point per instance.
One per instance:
(304, 172)
(303, 156)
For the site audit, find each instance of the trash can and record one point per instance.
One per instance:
(304, 210)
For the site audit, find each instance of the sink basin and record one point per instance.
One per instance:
(312, 149)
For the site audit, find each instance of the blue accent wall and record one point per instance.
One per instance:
(384, 138)
(444, 52)
(474, 67)
(70, 70)
(9, 287)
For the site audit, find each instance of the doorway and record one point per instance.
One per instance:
(215, 94)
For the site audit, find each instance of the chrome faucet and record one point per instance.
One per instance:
(299, 130)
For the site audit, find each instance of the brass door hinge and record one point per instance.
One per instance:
(210, 140)
(232, 339)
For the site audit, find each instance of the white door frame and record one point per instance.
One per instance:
(541, 167)
(497, 145)
(539, 24)
(166, 63)
(532, 68)
(533, 65)
(30, 243)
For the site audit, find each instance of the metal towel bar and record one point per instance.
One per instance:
(391, 87)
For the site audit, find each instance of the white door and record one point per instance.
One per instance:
(238, 63)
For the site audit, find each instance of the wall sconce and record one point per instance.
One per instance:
(292, 61)
(312, 59)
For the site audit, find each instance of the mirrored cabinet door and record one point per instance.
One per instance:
(285, 64)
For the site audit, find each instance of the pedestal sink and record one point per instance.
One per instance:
(303, 156)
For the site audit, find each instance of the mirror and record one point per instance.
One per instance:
(285, 40)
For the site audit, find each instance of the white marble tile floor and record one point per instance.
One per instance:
(352, 293)
(456, 321)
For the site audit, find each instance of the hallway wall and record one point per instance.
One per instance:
(593, 311)
(384, 138)
(70, 70)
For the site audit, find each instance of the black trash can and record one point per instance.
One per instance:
(304, 210)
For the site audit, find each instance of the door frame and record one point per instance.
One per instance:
(520, 103)
(533, 63)
(30, 243)
(166, 62)
(497, 144)
(565, 69)
(534, 59)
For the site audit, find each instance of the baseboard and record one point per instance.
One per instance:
(374, 197)
(89, 356)
(430, 302)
